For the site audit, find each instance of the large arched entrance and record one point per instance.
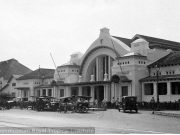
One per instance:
(97, 63)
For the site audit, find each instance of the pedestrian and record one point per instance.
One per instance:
(117, 103)
(152, 102)
(96, 103)
(104, 104)
(113, 103)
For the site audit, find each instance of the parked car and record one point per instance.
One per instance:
(82, 104)
(129, 103)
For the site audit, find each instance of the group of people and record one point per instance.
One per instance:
(114, 104)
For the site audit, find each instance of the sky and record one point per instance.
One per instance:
(32, 29)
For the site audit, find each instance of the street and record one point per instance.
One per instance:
(110, 121)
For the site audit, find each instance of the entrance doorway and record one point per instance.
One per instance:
(99, 93)
(124, 90)
(86, 91)
(74, 91)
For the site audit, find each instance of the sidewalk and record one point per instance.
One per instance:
(168, 113)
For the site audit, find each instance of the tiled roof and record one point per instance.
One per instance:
(10, 67)
(38, 74)
(154, 42)
(161, 78)
(124, 40)
(173, 58)
(158, 42)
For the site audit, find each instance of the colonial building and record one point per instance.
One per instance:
(36, 83)
(167, 72)
(10, 87)
(112, 67)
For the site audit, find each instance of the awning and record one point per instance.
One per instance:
(43, 86)
(83, 83)
(22, 88)
(160, 78)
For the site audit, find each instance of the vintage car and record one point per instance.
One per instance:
(65, 104)
(129, 103)
(82, 104)
(78, 104)
(44, 103)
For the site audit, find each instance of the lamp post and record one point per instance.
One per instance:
(157, 82)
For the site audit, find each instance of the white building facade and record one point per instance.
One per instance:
(112, 67)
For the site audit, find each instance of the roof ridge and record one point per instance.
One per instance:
(158, 38)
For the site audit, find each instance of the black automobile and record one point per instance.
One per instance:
(44, 103)
(129, 103)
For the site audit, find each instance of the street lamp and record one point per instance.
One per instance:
(157, 82)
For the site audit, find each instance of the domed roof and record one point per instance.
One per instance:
(140, 40)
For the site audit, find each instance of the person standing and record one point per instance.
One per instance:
(152, 102)
(113, 103)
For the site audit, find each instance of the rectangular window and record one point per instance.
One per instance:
(162, 88)
(74, 91)
(148, 89)
(61, 92)
(124, 90)
(175, 88)
(50, 92)
(38, 93)
(13, 84)
(13, 94)
(44, 92)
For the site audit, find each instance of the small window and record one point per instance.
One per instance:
(13, 84)
(166, 73)
(61, 92)
(162, 88)
(139, 62)
(49, 92)
(175, 88)
(44, 92)
(148, 89)
(13, 94)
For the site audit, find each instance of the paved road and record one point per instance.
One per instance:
(110, 121)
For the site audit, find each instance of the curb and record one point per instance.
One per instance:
(168, 114)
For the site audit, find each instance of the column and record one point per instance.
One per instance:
(92, 93)
(142, 91)
(120, 93)
(40, 92)
(169, 90)
(53, 94)
(155, 90)
(109, 67)
(21, 93)
(106, 92)
(46, 92)
(80, 91)
(112, 90)
(97, 69)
